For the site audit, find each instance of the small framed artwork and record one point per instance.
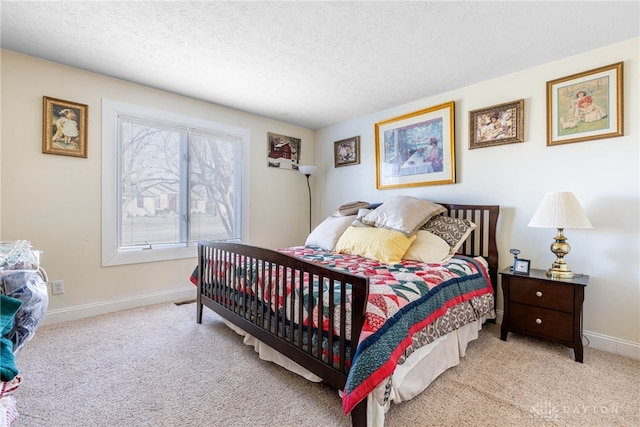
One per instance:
(497, 125)
(64, 127)
(416, 149)
(283, 151)
(521, 266)
(585, 106)
(346, 152)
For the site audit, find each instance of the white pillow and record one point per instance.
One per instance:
(403, 213)
(327, 233)
(428, 248)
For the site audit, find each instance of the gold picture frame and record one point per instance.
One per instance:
(497, 125)
(346, 152)
(64, 129)
(585, 106)
(416, 149)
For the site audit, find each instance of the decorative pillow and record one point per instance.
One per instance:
(453, 230)
(350, 208)
(428, 248)
(327, 233)
(403, 213)
(361, 213)
(384, 245)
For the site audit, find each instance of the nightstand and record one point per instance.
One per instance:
(543, 307)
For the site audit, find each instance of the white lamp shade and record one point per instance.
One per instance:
(307, 169)
(560, 210)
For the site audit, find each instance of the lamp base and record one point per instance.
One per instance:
(560, 274)
(560, 271)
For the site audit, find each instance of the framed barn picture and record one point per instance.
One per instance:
(283, 151)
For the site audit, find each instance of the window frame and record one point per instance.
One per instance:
(111, 256)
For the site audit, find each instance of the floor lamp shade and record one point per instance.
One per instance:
(307, 170)
(560, 210)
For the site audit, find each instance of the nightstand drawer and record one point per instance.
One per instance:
(555, 296)
(541, 322)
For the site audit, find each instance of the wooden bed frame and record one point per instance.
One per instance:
(223, 293)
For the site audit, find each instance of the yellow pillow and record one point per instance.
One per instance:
(382, 244)
(428, 248)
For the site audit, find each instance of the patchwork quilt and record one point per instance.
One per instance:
(405, 300)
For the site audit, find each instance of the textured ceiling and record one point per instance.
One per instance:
(311, 63)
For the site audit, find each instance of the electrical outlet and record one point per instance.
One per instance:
(57, 287)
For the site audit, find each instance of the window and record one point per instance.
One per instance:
(168, 182)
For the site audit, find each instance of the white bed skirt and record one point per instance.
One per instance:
(408, 380)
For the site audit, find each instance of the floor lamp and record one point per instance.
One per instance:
(308, 171)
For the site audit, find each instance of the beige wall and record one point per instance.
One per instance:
(604, 175)
(55, 201)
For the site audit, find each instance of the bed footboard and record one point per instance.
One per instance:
(276, 298)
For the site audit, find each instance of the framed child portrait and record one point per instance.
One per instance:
(585, 106)
(64, 127)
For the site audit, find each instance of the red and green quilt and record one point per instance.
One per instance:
(403, 299)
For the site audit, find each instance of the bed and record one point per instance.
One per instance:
(376, 328)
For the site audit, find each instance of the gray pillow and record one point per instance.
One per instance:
(403, 213)
(350, 208)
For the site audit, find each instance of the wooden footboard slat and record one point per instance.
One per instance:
(245, 285)
(331, 318)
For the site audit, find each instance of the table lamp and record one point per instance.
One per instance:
(560, 210)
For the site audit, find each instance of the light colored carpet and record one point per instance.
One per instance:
(155, 366)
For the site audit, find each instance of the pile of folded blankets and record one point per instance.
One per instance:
(23, 304)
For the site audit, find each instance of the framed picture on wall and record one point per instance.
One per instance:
(64, 127)
(585, 106)
(346, 152)
(416, 149)
(497, 125)
(283, 151)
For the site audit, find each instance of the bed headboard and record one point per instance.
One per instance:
(482, 241)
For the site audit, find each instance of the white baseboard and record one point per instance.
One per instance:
(601, 342)
(89, 310)
(595, 340)
(612, 345)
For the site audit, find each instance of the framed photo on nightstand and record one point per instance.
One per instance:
(521, 266)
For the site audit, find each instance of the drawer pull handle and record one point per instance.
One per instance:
(538, 294)
(539, 321)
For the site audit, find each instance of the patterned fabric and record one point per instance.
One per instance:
(404, 299)
(456, 317)
(350, 208)
(410, 304)
(29, 287)
(454, 231)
